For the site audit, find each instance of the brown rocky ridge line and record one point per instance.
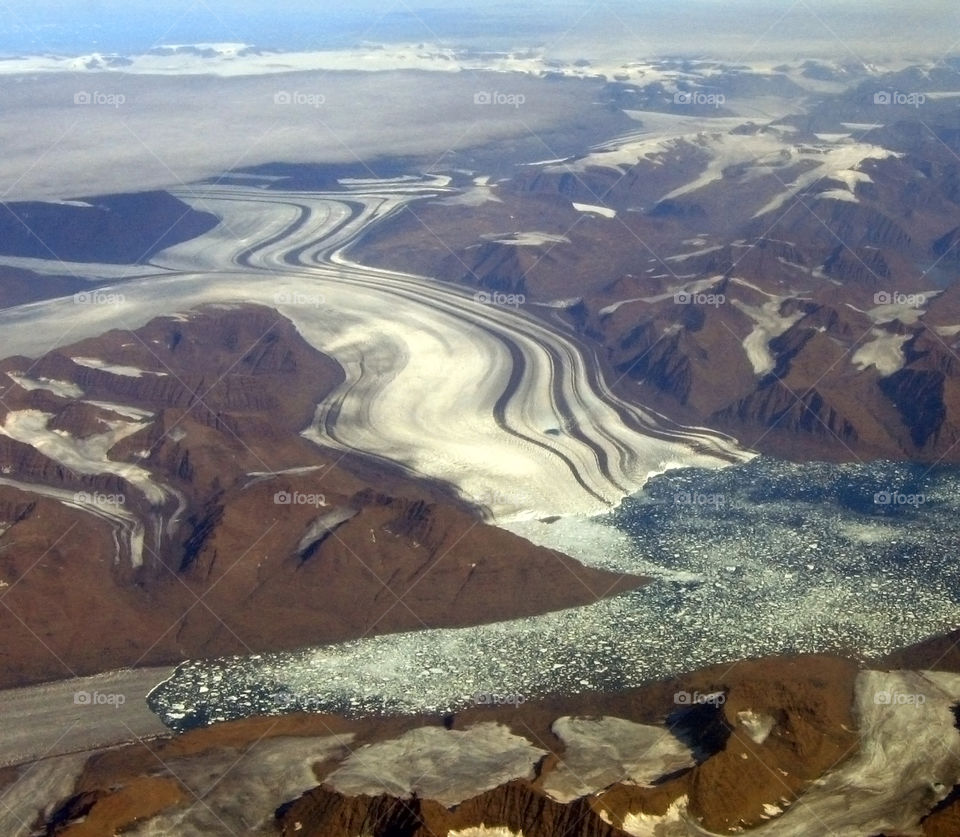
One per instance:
(810, 698)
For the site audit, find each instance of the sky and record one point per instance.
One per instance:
(701, 27)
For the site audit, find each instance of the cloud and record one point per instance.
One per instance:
(138, 132)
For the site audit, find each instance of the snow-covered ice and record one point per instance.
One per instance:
(601, 751)
(114, 368)
(437, 763)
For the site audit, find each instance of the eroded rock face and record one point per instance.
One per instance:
(142, 470)
(514, 808)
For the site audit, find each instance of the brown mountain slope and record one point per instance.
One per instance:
(239, 552)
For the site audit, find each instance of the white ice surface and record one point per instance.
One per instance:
(833, 162)
(39, 787)
(702, 252)
(593, 209)
(761, 154)
(908, 309)
(670, 824)
(851, 178)
(838, 195)
(84, 456)
(532, 239)
(559, 304)
(757, 726)
(476, 195)
(128, 531)
(325, 524)
(768, 323)
(91, 271)
(613, 61)
(258, 779)
(602, 751)
(613, 307)
(114, 368)
(697, 286)
(64, 389)
(121, 409)
(655, 142)
(436, 763)
(909, 758)
(391, 333)
(884, 352)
